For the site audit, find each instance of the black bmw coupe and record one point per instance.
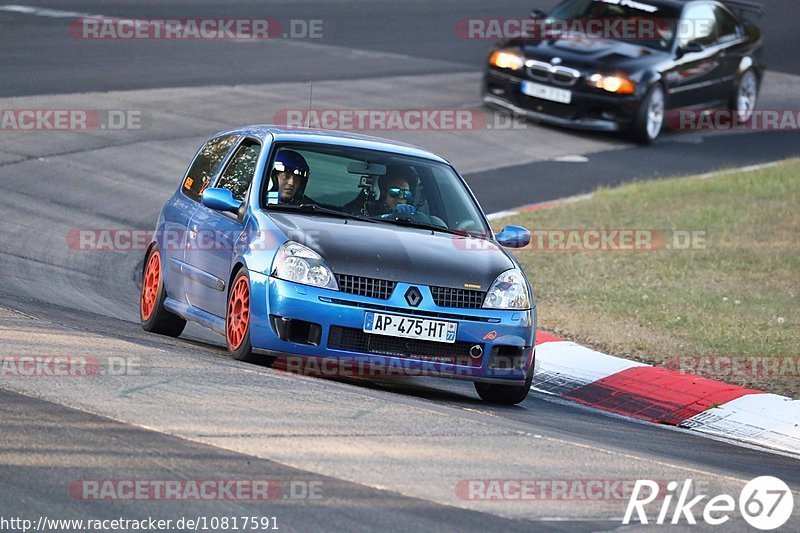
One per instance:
(623, 65)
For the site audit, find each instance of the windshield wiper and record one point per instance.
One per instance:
(421, 225)
(314, 208)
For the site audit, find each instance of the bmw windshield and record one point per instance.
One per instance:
(637, 22)
(380, 186)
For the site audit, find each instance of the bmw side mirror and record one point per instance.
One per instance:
(220, 200)
(690, 48)
(514, 237)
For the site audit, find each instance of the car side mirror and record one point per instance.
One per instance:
(538, 14)
(690, 48)
(514, 237)
(220, 200)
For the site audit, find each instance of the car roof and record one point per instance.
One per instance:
(269, 132)
(678, 4)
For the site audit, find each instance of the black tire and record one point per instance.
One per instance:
(642, 131)
(504, 394)
(153, 316)
(747, 83)
(239, 349)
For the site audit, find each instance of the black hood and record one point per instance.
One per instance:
(396, 253)
(591, 54)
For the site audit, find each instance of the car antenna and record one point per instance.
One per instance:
(310, 100)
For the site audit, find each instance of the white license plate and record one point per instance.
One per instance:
(410, 327)
(545, 92)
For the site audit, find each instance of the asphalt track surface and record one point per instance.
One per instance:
(388, 453)
(38, 57)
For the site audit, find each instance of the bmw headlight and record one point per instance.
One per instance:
(614, 84)
(300, 264)
(510, 59)
(508, 291)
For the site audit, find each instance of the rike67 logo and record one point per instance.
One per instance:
(765, 503)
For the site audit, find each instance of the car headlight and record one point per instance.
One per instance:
(613, 84)
(510, 59)
(508, 291)
(300, 264)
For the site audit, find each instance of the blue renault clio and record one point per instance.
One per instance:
(317, 244)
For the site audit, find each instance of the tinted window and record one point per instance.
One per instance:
(728, 27)
(653, 24)
(699, 25)
(205, 165)
(239, 173)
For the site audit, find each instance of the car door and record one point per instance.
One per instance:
(214, 236)
(180, 209)
(732, 49)
(696, 76)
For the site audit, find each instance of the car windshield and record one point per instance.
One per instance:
(381, 186)
(648, 24)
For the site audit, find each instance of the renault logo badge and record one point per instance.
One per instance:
(413, 296)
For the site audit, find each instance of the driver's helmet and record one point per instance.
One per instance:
(292, 162)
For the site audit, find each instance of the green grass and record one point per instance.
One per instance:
(735, 296)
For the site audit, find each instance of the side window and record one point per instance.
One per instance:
(728, 27)
(699, 25)
(239, 173)
(205, 165)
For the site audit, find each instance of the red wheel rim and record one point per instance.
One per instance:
(152, 278)
(150, 282)
(238, 313)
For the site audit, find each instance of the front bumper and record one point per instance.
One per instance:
(586, 111)
(506, 338)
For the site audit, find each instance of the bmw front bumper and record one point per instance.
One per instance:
(586, 111)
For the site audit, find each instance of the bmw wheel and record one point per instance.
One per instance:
(650, 116)
(746, 96)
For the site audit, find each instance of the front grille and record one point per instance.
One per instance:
(355, 340)
(556, 74)
(370, 287)
(464, 298)
(564, 77)
(539, 72)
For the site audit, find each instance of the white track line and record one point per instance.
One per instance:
(44, 12)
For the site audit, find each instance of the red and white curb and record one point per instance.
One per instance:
(665, 396)
(661, 395)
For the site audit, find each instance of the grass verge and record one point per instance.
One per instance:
(712, 288)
